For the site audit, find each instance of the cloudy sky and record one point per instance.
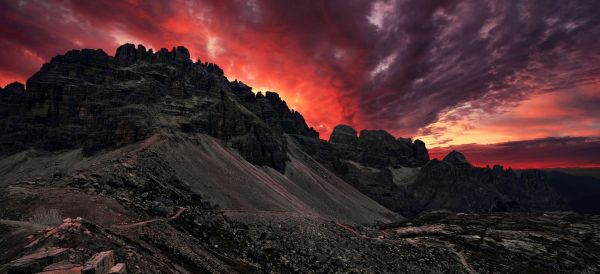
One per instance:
(490, 74)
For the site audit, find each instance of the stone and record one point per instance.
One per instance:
(343, 134)
(37, 261)
(180, 53)
(14, 88)
(420, 153)
(119, 268)
(456, 158)
(126, 55)
(100, 263)
(62, 267)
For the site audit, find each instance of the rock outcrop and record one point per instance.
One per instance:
(100, 263)
(37, 260)
(377, 148)
(89, 99)
(456, 158)
(398, 174)
(343, 135)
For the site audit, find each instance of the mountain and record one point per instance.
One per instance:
(151, 161)
(91, 100)
(86, 103)
(591, 172)
(398, 174)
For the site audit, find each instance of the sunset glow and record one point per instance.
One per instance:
(449, 74)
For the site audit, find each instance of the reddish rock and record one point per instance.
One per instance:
(119, 268)
(62, 267)
(36, 262)
(101, 263)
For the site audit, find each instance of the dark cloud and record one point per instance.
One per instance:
(487, 53)
(398, 65)
(538, 153)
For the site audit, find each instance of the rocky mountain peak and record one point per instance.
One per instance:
(12, 88)
(88, 99)
(377, 148)
(181, 53)
(456, 158)
(128, 54)
(343, 134)
(376, 136)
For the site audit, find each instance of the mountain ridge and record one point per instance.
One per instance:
(130, 88)
(88, 99)
(169, 167)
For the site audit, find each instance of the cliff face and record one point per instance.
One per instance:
(89, 99)
(398, 174)
(377, 148)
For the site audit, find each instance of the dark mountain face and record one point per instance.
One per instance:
(399, 175)
(91, 100)
(377, 148)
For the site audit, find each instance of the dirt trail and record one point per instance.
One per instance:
(272, 213)
(461, 256)
(138, 224)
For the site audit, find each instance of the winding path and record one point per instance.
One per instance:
(143, 223)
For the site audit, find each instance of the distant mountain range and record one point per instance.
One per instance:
(591, 172)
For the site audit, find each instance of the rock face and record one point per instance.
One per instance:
(456, 158)
(343, 135)
(37, 261)
(377, 148)
(398, 174)
(101, 263)
(89, 99)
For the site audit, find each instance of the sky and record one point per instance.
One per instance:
(486, 77)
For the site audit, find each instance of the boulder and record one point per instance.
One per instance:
(119, 268)
(100, 263)
(37, 261)
(62, 267)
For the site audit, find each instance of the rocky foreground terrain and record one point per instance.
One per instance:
(151, 163)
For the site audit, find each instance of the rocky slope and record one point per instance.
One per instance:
(173, 168)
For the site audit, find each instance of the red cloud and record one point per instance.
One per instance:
(537, 153)
(343, 61)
